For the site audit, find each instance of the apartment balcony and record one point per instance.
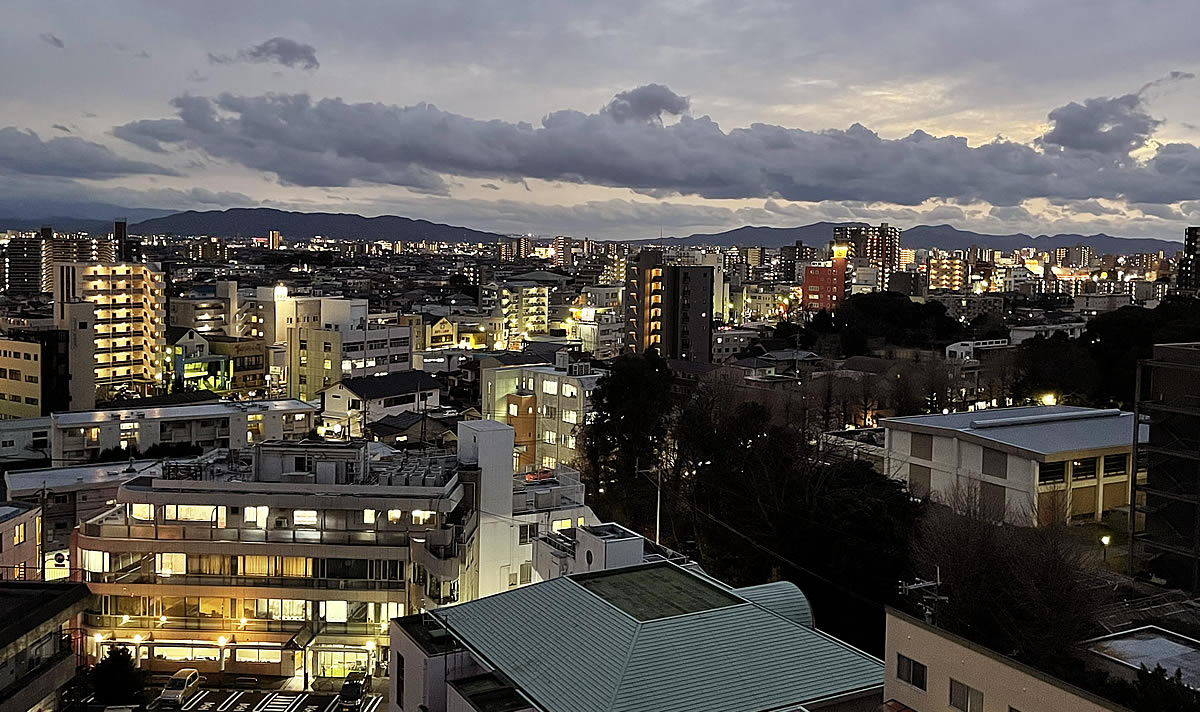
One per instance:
(114, 525)
(438, 551)
(140, 576)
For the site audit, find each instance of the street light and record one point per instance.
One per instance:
(1105, 540)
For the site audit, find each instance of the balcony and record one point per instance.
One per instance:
(541, 489)
(140, 576)
(114, 525)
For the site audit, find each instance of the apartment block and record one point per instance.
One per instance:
(545, 405)
(20, 541)
(522, 305)
(221, 313)
(949, 273)
(39, 643)
(292, 561)
(1028, 465)
(879, 245)
(130, 320)
(45, 369)
(668, 308)
(82, 435)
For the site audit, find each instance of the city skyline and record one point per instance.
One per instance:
(612, 121)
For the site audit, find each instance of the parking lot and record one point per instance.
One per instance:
(267, 701)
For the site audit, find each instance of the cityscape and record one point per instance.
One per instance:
(316, 397)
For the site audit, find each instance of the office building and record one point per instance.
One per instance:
(668, 308)
(879, 245)
(130, 321)
(40, 644)
(658, 637)
(1028, 465)
(545, 405)
(82, 435)
(292, 563)
(1187, 271)
(949, 273)
(929, 669)
(1168, 400)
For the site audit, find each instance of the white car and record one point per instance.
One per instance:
(182, 686)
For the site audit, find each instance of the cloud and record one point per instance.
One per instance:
(62, 128)
(23, 152)
(331, 143)
(646, 103)
(490, 186)
(51, 40)
(194, 75)
(277, 50)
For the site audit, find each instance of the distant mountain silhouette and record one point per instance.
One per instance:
(944, 237)
(247, 222)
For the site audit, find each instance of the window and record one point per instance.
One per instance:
(421, 517)
(255, 516)
(14, 374)
(30, 401)
(95, 561)
(305, 517)
(1114, 465)
(921, 445)
(570, 416)
(992, 501)
(395, 516)
(368, 516)
(964, 698)
(327, 364)
(571, 442)
(168, 564)
(19, 534)
(327, 347)
(8, 443)
(1050, 472)
(550, 437)
(31, 379)
(560, 524)
(335, 611)
(995, 463)
(144, 512)
(550, 387)
(512, 410)
(526, 573)
(527, 533)
(569, 391)
(911, 671)
(1083, 469)
(919, 479)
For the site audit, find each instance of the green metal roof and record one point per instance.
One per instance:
(571, 650)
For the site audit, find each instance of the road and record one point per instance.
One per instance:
(266, 701)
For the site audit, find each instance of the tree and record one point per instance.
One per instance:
(115, 679)
(627, 438)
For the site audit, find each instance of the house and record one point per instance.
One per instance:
(1034, 464)
(351, 402)
(656, 637)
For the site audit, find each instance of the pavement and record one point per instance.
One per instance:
(209, 700)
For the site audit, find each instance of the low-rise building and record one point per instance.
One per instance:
(354, 402)
(289, 560)
(1072, 330)
(81, 436)
(20, 541)
(658, 636)
(1029, 465)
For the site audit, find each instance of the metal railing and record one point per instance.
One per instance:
(303, 582)
(203, 532)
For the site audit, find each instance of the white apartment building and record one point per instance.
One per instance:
(130, 320)
(523, 306)
(599, 330)
(544, 404)
(1035, 464)
(728, 342)
(290, 559)
(79, 437)
(221, 313)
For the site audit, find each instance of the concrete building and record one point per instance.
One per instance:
(298, 557)
(879, 245)
(599, 330)
(599, 547)
(49, 369)
(1089, 305)
(222, 313)
(20, 541)
(207, 249)
(950, 273)
(930, 669)
(826, 285)
(367, 346)
(969, 307)
(1027, 465)
(1072, 329)
(545, 405)
(658, 637)
(668, 308)
(130, 320)
(729, 342)
(522, 306)
(81, 436)
(39, 644)
(353, 403)
(1167, 394)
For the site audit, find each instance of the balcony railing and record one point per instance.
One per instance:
(305, 582)
(203, 532)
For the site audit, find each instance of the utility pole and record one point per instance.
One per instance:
(658, 498)
(928, 601)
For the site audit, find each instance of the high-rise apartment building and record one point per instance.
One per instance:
(130, 320)
(1187, 272)
(668, 308)
(948, 273)
(826, 286)
(564, 251)
(275, 239)
(512, 248)
(207, 249)
(880, 245)
(523, 306)
(23, 263)
(67, 248)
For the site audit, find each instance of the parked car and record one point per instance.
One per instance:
(182, 687)
(353, 695)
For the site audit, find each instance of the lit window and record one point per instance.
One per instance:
(335, 611)
(305, 517)
(550, 437)
(169, 564)
(550, 387)
(368, 516)
(255, 516)
(95, 561)
(144, 512)
(569, 391)
(579, 522)
(19, 534)
(560, 524)
(570, 416)
(395, 516)
(420, 516)
(512, 410)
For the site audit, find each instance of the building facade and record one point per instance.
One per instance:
(668, 308)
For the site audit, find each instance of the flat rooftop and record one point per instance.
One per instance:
(1151, 646)
(64, 479)
(488, 693)
(8, 510)
(190, 411)
(26, 605)
(655, 592)
(1039, 430)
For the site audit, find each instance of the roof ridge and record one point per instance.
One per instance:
(616, 693)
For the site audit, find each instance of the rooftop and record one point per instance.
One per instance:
(691, 647)
(8, 510)
(488, 693)
(26, 605)
(23, 483)
(392, 384)
(1037, 430)
(194, 410)
(1151, 646)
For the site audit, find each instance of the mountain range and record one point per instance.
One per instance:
(297, 225)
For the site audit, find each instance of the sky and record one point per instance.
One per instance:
(616, 119)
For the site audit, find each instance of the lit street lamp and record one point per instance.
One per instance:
(1105, 540)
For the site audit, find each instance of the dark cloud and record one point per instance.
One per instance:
(51, 40)
(334, 143)
(277, 50)
(646, 103)
(23, 152)
(62, 128)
